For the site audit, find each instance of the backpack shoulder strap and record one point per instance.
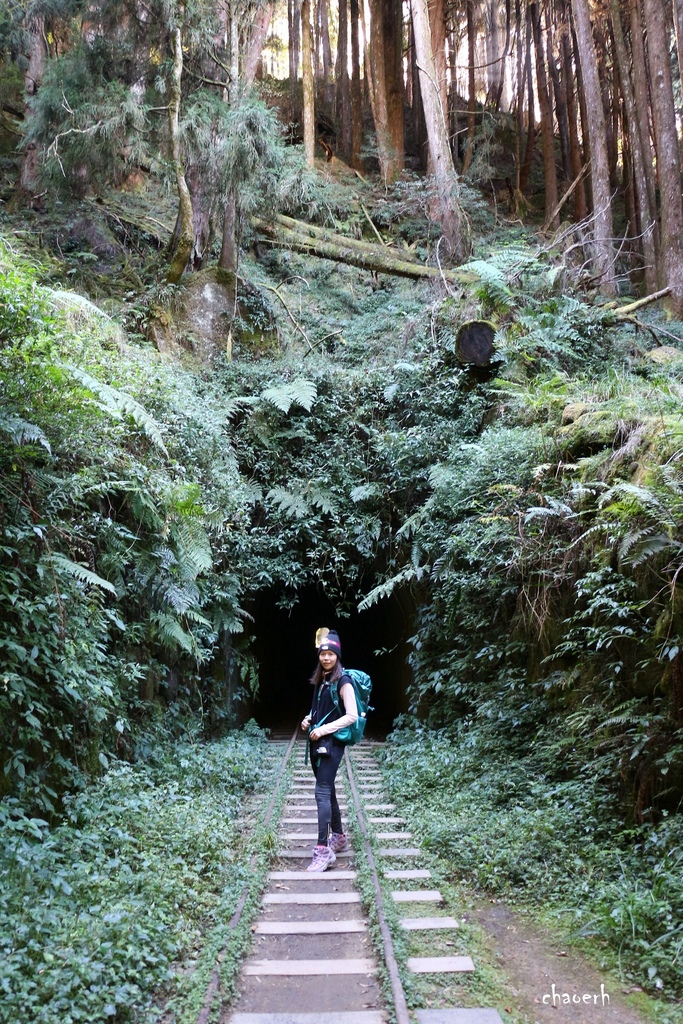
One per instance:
(345, 677)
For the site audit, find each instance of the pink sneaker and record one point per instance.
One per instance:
(338, 842)
(323, 858)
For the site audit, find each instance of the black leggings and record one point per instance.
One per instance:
(325, 769)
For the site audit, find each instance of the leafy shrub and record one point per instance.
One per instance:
(115, 488)
(508, 828)
(96, 913)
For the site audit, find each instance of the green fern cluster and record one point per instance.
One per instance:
(116, 496)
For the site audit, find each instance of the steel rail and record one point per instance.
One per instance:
(212, 987)
(398, 995)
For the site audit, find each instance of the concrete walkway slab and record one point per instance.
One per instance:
(408, 873)
(379, 807)
(416, 896)
(400, 851)
(439, 964)
(308, 967)
(418, 924)
(311, 876)
(461, 1015)
(393, 835)
(322, 898)
(355, 1017)
(308, 927)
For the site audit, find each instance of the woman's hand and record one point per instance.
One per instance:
(315, 734)
(306, 723)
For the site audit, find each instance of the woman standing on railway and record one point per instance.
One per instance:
(326, 751)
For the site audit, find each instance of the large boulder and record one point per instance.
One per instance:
(208, 307)
(664, 355)
(207, 321)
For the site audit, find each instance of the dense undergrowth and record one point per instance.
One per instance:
(99, 915)
(531, 508)
(509, 828)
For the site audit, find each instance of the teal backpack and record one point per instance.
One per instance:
(362, 685)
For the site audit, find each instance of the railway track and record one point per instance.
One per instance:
(314, 958)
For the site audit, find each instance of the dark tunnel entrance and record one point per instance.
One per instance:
(285, 650)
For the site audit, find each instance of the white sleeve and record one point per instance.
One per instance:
(348, 695)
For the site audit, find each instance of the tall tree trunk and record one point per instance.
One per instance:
(668, 154)
(325, 41)
(228, 257)
(309, 84)
(257, 38)
(185, 241)
(608, 105)
(356, 95)
(33, 76)
(580, 206)
(502, 96)
(520, 84)
(317, 62)
(472, 89)
(229, 249)
(453, 100)
(204, 210)
(547, 135)
(437, 21)
(293, 26)
(560, 94)
(531, 125)
(678, 25)
(641, 94)
(603, 255)
(376, 62)
(633, 232)
(583, 109)
(647, 227)
(417, 113)
(343, 86)
(392, 17)
(439, 149)
(493, 52)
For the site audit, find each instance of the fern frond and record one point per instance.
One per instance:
(492, 281)
(322, 499)
(23, 432)
(196, 616)
(172, 634)
(119, 404)
(364, 491)
(81, 573)
(633, 538)
(412, 524)
(552, 508)
(179, 597)
(67, 300)
(193, 548)
(386, 589)
(642, 496)
(297, 392)
(234, 405)
(648, 547)
(293, 504)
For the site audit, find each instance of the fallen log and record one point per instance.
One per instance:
(300, 227)
(365, 256)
